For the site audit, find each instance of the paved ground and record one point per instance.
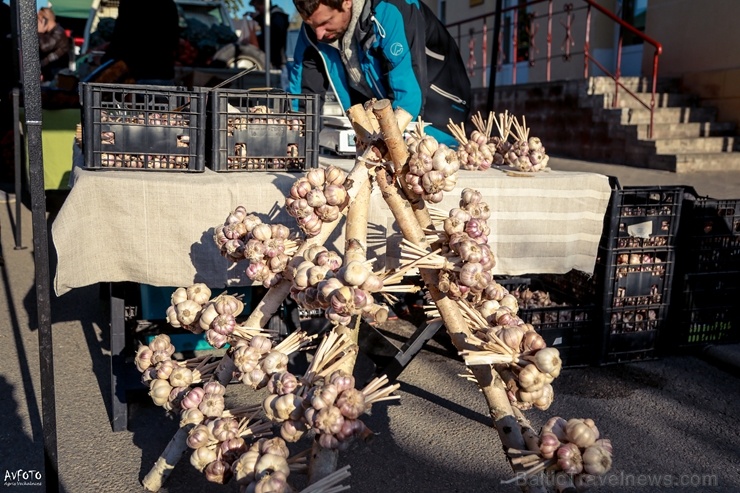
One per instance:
(673, 422)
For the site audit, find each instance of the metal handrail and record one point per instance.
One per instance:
(589, 4)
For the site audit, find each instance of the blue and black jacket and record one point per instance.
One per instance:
(405, 54)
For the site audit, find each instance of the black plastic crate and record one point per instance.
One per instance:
(636, 296)
(140, 127)
(636, 277)
(575, 284)
(631, 346)
(709, 311)
(643, 217)
(711, 232)
(568, 325)
(263, 131)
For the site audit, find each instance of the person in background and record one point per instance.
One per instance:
(54, 44)
(146, 37)
(383, 49)
(279, 23)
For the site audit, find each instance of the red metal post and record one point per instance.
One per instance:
(484, 52)
(617, 73)
(586, 43)
(549, 38)
(514, 45)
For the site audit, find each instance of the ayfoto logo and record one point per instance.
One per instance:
(21, 477)
(396, 49)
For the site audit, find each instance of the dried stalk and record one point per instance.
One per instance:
(488, 380)
(324, 462)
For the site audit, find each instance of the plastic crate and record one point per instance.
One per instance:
(711, 230)
(709, 312)
(643, 217)
(631, 346)
(636, 296)
(155, 300)
(261, 131)
(568, 326)
(637, 277)
(140, 127)
(575, 284)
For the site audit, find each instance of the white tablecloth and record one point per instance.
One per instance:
(156, 227)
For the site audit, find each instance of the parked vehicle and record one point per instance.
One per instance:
(208, 37)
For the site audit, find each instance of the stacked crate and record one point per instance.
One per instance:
(635, 266)
(707, 312)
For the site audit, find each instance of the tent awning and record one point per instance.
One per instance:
(77, 9)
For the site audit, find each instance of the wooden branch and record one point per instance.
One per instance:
(488, 380)
(324, 461)
(392, 135)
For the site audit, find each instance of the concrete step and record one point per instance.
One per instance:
(605, 85)
(662, 100)
(695, 145)
(682, 163)
(681, 130)
(627, 116)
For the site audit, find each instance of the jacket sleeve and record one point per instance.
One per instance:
(402, 43)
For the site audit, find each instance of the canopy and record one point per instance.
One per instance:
(76, 9)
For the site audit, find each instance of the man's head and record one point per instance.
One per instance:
(329, 19)
(46, 19)
(259, 5)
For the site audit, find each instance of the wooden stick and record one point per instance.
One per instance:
(488, 380)
(391, 134)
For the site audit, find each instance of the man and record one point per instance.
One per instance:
(394, 49)
(53, 44)
(279, 23)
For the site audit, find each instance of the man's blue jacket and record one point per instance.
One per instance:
(404, 54)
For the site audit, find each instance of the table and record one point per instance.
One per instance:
(156, 227)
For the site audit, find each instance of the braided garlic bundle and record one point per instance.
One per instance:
(317, 198)
(432, 166)
(571, 447)
(324, 400)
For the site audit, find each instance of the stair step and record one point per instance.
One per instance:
(684, 114)
(605, 85)
(695, 145)
(662, 100)
(682, 130)
(710, 161)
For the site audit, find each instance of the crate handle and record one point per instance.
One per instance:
(233, 78)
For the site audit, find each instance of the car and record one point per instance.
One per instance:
(208, 37)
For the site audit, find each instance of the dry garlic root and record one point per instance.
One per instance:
(318, 198)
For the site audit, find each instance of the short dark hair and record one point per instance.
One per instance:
(306, 8)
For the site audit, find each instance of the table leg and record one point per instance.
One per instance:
(119, 407)
(409, 350)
